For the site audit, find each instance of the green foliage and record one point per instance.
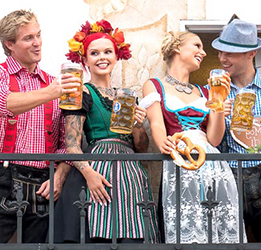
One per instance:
(254, 150)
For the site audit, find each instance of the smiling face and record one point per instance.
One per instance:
(27, 47)
(237, 64)
(101, 57)
(191, 52)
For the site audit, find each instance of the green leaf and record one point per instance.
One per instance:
(258, 147)
(251, 150)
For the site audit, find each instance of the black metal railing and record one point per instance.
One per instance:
(82, 204)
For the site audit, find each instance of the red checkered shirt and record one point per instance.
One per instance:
(30, 136)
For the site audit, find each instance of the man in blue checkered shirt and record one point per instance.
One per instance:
(237, 46)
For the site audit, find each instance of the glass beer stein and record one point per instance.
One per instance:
(242, 118)
(217, 93)
(122, 116)
(72, 101)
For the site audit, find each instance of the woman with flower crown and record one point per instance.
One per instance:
(98, 47)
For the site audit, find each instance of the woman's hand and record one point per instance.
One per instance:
(167, 145)
(140, 115)
(228, 107)
(95, 183)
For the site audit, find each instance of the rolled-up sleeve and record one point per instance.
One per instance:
(61, 144)
(4, 92)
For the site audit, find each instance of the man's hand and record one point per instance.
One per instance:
(44, 190)
(59, 179)
(64, 84)
(228, 107)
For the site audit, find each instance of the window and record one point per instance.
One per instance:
(208, 31)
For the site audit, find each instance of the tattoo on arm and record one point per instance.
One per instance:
(141, 142)
(73, 138)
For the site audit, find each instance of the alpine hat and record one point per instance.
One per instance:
(237, 37)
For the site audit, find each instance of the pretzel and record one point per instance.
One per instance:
(194, 165)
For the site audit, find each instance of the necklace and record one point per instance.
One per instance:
(185, 87)
(107, 91)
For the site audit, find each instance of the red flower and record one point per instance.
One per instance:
(106, 26)
(86, 28)
(118, 36)
(79, 36)
(124, 52)
(74, 57)
(76, 52)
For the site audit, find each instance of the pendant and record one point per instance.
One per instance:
(187, 90)
(168, 79)
(179, 88)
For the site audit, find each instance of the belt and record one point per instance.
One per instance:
(113, 140)
(28, 174)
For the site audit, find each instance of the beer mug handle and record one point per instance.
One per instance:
(135, 123)
(137, 100)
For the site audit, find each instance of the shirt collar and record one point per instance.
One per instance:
(14, 67)
(256, 81)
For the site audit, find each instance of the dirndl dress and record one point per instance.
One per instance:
(192, 119)
(194, 187)
(132, 183)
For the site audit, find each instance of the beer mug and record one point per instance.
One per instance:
(122, 116)
(72, 101)
(242, 118)
(217, 93)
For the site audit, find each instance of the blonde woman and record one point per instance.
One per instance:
(179, 106)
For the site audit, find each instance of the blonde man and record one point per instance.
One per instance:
(31, 122)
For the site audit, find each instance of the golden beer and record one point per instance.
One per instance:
(217, 93)
(72, 101)
(122, 116)
(242, 118)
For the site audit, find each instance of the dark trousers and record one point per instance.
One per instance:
(160, 214)
(35, 215)
(251, 200)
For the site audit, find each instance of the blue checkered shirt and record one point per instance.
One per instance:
(228, 145)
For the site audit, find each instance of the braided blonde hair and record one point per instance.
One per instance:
(172, 41)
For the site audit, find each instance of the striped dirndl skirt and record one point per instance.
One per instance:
(132, 181)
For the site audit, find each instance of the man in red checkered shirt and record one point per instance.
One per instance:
(30, 122)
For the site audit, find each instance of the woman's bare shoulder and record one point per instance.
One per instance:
(86, 90)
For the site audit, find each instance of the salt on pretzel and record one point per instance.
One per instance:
(194, 165)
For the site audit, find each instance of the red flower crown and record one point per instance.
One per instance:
(76, 44)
